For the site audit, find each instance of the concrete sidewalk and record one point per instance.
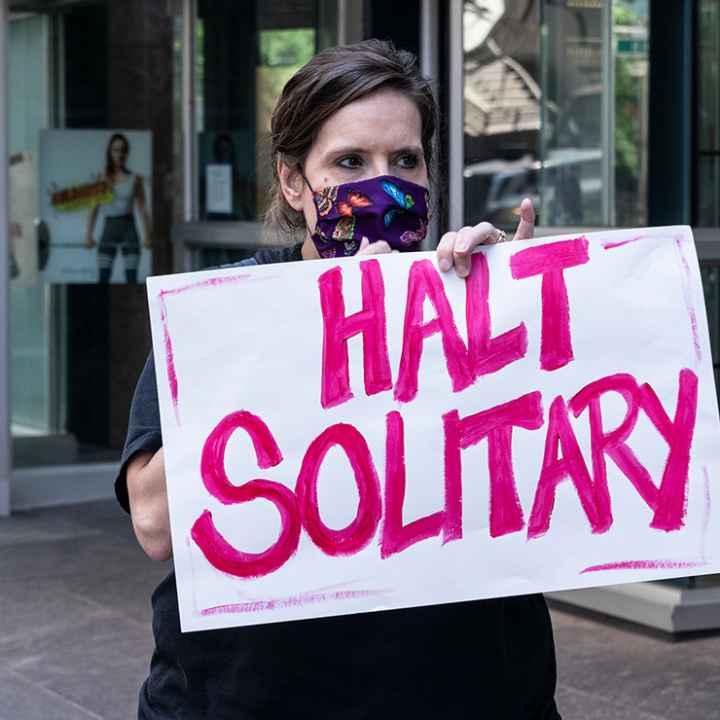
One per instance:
(75, 637)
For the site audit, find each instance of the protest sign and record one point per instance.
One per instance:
(362, 434)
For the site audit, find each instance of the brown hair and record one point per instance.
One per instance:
(332, 79)
(109, 162)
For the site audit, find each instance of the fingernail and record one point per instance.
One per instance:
(445, 265)
(461, 247)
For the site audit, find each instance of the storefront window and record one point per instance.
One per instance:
(92, 193)
(630, 46)
(711, 286)
(574, 138)
(556, 110)
(245, 52)
(97, 175)
(501, 42)
(708, 116)
(32, 387)
(595, 75)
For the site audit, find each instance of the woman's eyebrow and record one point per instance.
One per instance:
(408, 150)
(344, 150)
(355, 150)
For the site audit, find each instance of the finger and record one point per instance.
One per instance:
(380, 248)
(483, 233)
(466, 240)
(469, 238)
(526, 226)
(377, 248)
(363, 244)
(444, 251)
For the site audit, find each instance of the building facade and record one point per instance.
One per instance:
(605, 112)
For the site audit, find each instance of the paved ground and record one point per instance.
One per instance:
(75, 638)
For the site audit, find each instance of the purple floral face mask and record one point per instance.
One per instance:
(381, 208)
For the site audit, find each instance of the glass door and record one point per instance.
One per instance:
(595, 108)
(707, 180)
(555, 109)
(244, 53)
(93, 158)
(35, 356)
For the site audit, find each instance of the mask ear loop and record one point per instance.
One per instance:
(307, 182)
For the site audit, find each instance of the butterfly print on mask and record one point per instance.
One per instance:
(410, 237)
(403, 200)
(354, 200)
(325, 199)
(344, 229)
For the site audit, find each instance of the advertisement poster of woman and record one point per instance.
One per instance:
(95, 203)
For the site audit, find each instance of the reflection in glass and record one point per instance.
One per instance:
(564, 121)
(709, 189)
(708, 144)
(573, 130)
(502, 108)
(282, 52)
(245, 52)
(711, 286)
(31, 379)
(76, 349)
(630, 47)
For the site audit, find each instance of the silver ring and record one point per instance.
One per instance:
(500, 236)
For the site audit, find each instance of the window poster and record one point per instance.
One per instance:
(218, 178)
(95, 205)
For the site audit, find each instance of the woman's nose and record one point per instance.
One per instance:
(380, 166)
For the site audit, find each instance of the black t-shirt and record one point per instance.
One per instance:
(489, 659)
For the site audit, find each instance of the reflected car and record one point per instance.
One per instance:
(566, 189)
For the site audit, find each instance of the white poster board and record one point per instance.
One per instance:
(73, 182)
(352, 435)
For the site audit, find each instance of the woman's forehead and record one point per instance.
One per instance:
(387, 119)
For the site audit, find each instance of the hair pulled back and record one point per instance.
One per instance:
(109, 162)
(332, 79)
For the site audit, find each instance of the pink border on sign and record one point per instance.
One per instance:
(667, 564)
(253, 606)
(167, 339)
(610, 245)
(645, 565)
(679, 244)
(708, 508)
(689, 305)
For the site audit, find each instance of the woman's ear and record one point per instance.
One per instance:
(292, 184)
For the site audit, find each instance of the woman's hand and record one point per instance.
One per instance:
(456, 248)
(377, 248)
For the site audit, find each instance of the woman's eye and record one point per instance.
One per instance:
(408, 162)
(350, 162)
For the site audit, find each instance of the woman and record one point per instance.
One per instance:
(352, 140)
(119, 231)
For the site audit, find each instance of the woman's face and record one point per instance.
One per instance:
(119, 153)
(379, 134)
